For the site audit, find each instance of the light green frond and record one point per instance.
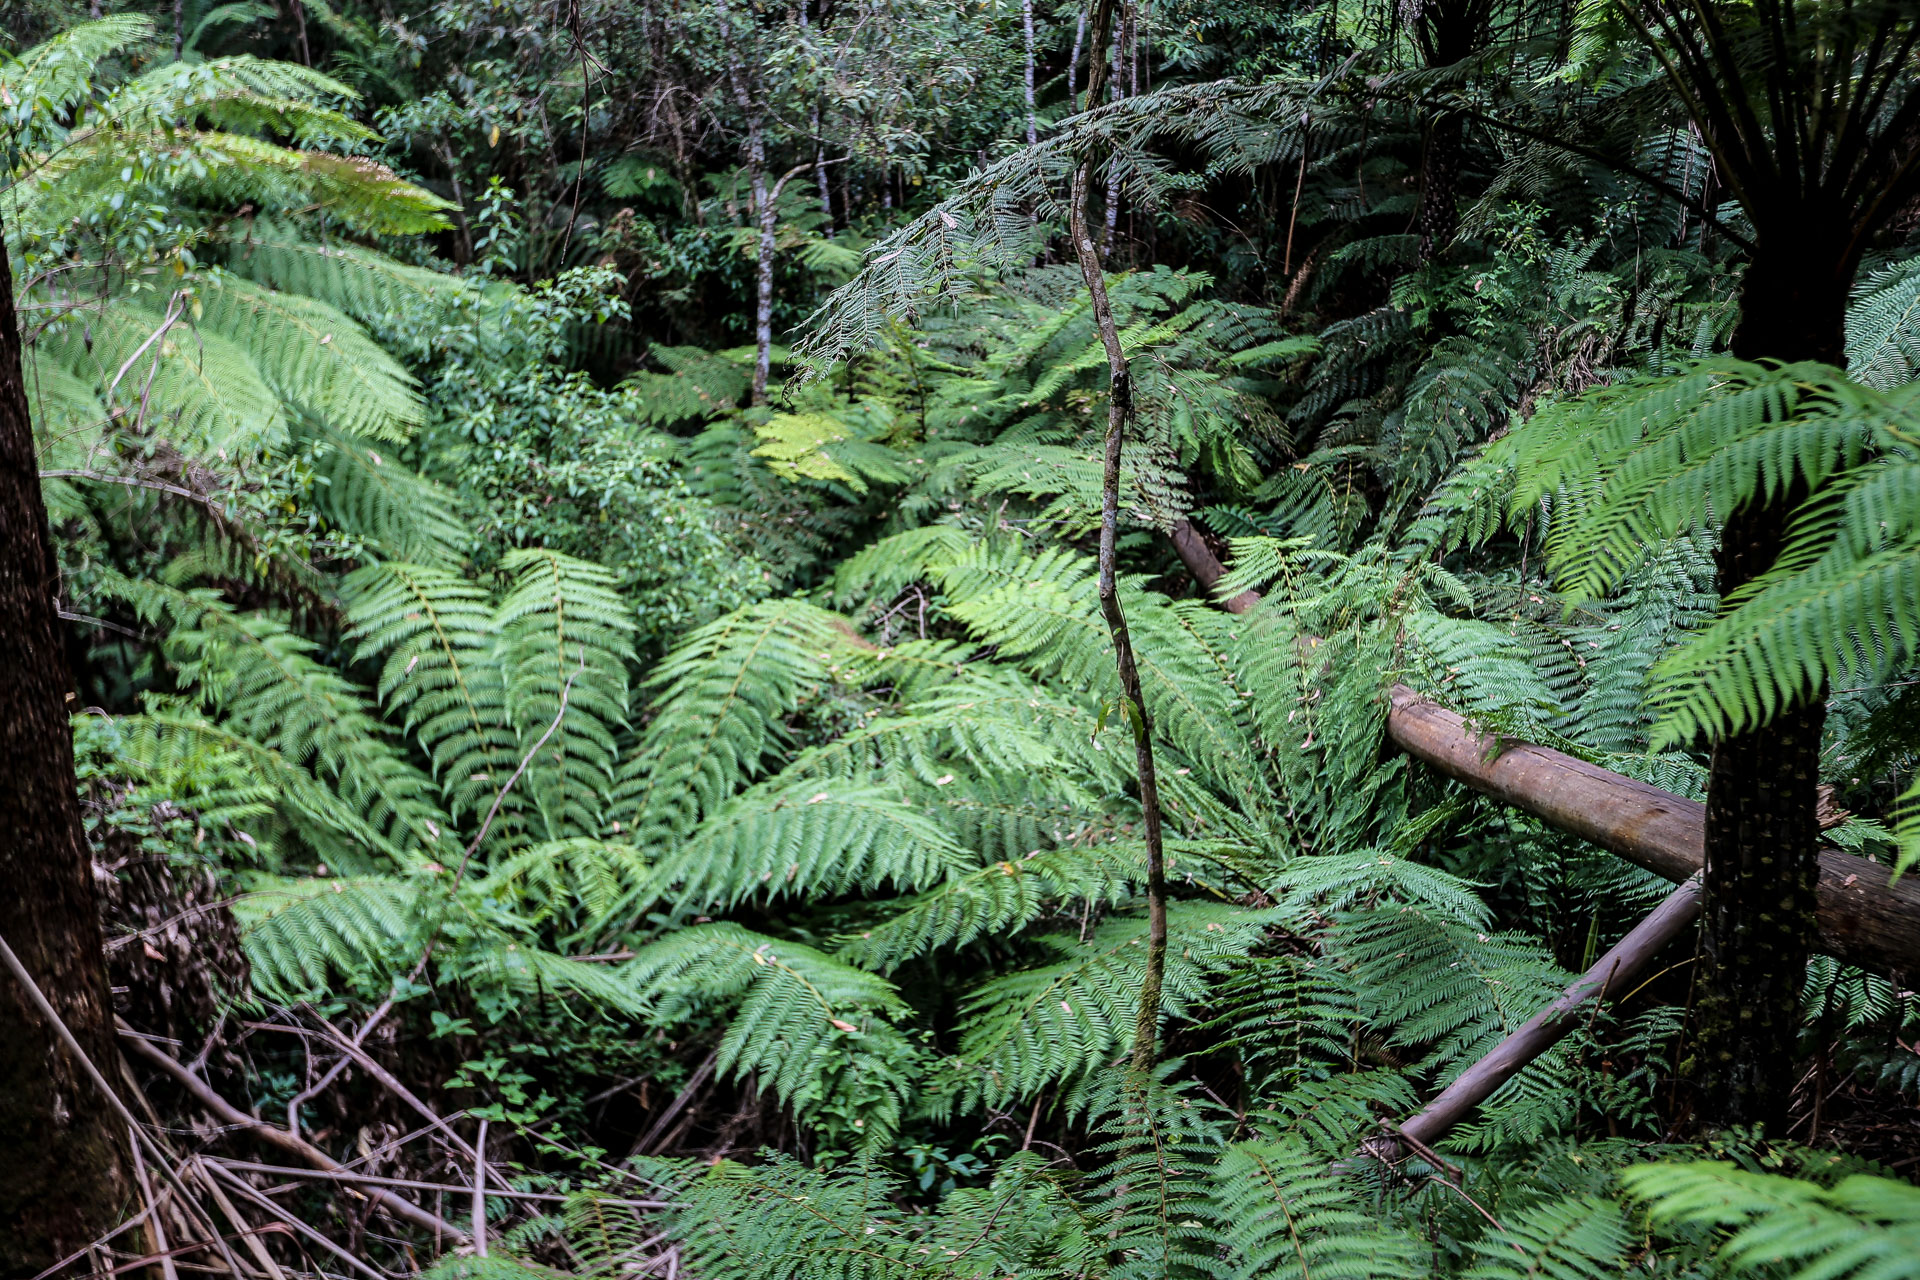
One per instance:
(1862, 1228)
(395, 511)
(565, 640)
(314, 357)
(1031, 1028)
(371, 287)
(436, 633)
(197, 389)
(718, 717)
(998, 900)
(264, 681)
(1575, 1237)
(811, 839)
(299, 933)
(52, 76)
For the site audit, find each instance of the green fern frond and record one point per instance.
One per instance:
(314, 357)
(719, 715)
(810, 840)
(1028, 1029)
(1577, 1236)
(565, 644)
(1280, 1211)
(1862, 1228)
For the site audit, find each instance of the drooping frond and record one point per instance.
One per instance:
(1038, 1025)
(1654, 458)
(564, 641)
(314, 357)
(1280, 1210)
(807, 839)
(263, 680)
(436, 633)
(804, 1022)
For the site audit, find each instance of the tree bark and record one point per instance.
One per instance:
(65, 1178)
(1762, 835)
(763, 216)
(1440, 183)
(1026, 18)
(763, 260)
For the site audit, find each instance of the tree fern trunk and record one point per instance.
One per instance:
(1439, 184)
(1763, 838)
(63, 1181)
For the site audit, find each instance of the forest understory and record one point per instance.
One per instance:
(968, 641)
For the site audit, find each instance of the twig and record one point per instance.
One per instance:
(259, 1251)
(84, 1250)
(659, 1127)
(374, 1180)
(156, 1226)
(239, 1184)
(293, 1144)
(480, 1191)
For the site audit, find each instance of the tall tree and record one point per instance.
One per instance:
(65, 1178)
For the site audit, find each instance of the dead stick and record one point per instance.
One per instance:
(1537, 1034)
(300, 1148)
(373, 1180)
(480, 1191)
(156, 1227)
(659, 1127)
(239, 1184)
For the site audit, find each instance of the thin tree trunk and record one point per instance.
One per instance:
(1026, 18)
(1762, 837)
(1073, 62)
(820, 177)
(1133, 708)
(1113, 170)
(65, 1179)
(763, 260)
(762, 211)
(1440, 183)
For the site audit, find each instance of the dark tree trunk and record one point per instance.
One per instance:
(1440, 183)
(1763, 837)
(62, 1174)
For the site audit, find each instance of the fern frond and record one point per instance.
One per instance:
(1862, 1228)
(314, 357)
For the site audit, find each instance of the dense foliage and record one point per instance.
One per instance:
(519, 708)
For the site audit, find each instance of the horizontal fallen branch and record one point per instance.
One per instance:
(371, 1180)
(1865, 918)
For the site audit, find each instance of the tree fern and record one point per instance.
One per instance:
(264, 681)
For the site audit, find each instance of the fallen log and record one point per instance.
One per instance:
(1609, 976)
(1865, 918)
